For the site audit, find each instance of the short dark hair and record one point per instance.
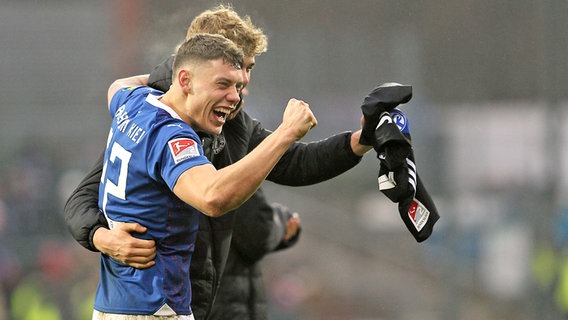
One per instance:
(204, 47)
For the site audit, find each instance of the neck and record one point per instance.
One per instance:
(174, 102)
(167, 100)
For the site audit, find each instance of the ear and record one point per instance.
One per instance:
(184, 79)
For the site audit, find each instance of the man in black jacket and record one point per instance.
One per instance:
(259, 229)
(303, 164)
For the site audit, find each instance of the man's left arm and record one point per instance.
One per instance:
(303, 163)
(314, 162)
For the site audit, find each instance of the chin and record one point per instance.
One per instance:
(217, 130)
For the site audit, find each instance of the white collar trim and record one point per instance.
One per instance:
(154, 100)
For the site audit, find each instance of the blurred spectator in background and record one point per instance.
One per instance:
(29, 217)
(10, 269)
(259, 229)
(550, 265)
(31, 197)
(58, 287)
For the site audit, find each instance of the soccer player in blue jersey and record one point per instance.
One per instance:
(303, 164)
(155, 172)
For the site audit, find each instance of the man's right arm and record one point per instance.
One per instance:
(215, 192)
(89, 227)
(82, 214)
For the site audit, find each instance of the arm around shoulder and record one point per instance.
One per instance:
(134, 81)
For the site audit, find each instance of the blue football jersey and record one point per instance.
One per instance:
(148, 148)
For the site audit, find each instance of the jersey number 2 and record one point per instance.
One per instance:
(119, 189)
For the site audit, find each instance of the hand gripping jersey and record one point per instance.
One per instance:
(148, 148)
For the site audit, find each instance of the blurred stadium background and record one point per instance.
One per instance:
(488, 120)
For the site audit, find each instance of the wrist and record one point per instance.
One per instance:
(97, 239)
(285, 135)
(357, 148)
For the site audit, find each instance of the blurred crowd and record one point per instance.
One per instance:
(43, 273)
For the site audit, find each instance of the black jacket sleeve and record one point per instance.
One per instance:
(305, 163)
(82, 214)
(259, 228)
(161, 77)
(314, 162)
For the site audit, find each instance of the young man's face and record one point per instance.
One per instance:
(248, 65)
(215, 92)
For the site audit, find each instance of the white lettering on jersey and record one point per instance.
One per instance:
(122, 119)
(135, 132)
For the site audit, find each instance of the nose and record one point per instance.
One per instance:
(246, 77)
(246, 80)
(234, 96)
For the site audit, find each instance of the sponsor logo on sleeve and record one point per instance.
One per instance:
(183, 149)
(401, 120)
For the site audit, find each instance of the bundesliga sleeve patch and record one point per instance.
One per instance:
(182, 149)
(418, 213)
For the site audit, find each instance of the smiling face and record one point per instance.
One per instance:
(213, 92)
(248, 65)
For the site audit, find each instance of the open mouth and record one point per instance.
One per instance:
(221, 114)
